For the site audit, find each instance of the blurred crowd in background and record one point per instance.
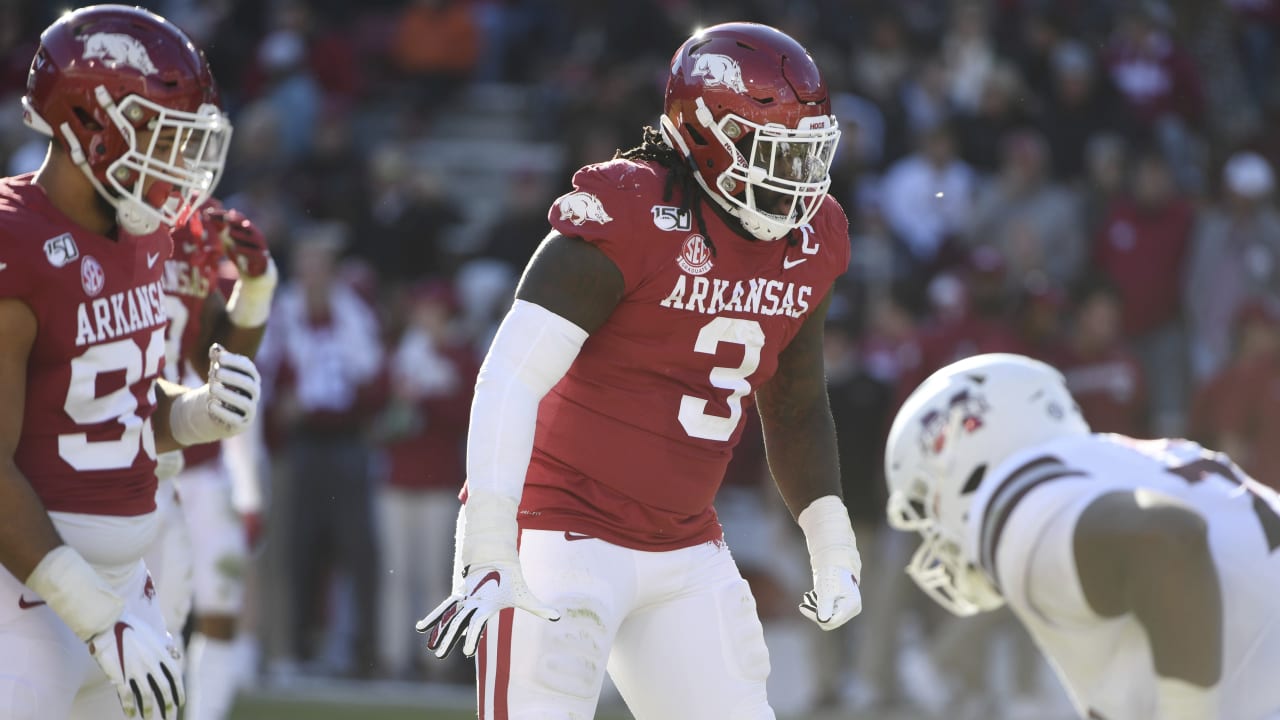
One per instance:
(1090, 182)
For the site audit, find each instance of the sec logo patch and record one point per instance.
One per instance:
(92, 277)
(695, 256)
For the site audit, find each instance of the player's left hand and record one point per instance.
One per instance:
(242, 239)
(487, 589)
(234, 389)
(833, 554)
(223, 407)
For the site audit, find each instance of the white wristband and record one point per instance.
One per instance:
(488, 528)
(828, 534)
(74, 590)
(1181, 700)
(250, 301)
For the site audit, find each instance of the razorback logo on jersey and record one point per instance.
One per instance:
(718, 70)
(579, 207)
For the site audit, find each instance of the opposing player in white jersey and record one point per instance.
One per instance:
(1146, 571)
(137, 142)
(199, 557)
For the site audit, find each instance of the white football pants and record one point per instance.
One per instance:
(677, 631)
(46, 672)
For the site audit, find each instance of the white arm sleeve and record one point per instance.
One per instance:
(531, 352)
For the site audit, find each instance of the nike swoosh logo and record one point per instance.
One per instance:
(788, 263)
(493, 575)
(120, 628)
(26, 604)
(572, 536)
(151, 259)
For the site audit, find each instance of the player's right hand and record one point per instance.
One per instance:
(488, 589)
(144, 667)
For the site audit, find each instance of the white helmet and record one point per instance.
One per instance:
(961, 423)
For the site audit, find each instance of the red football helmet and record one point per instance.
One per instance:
(748, 108)
(132, 101)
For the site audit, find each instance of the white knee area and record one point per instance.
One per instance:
(18, 699)
(574, 656)
(743, 634)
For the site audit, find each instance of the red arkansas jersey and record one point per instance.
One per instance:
(632, 444)
(190, 274)
(87, 445)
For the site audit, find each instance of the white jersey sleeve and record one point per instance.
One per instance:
(1037, 563)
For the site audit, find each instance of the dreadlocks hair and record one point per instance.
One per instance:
(653, 148)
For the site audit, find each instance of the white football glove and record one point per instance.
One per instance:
(145, 668)
(481, 588)
(488, 589)
(833, 554)
(143, 665)
(224, 406)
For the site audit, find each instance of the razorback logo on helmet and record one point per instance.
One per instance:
(966, 407)
(719, 71)
(695, 256)
(579, 207)
(117, 49)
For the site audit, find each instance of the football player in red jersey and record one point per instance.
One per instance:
(199, 557)
(138, 141)
(681, 280)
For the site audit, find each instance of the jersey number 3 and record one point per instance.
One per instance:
(693, 410)
(86, 408)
